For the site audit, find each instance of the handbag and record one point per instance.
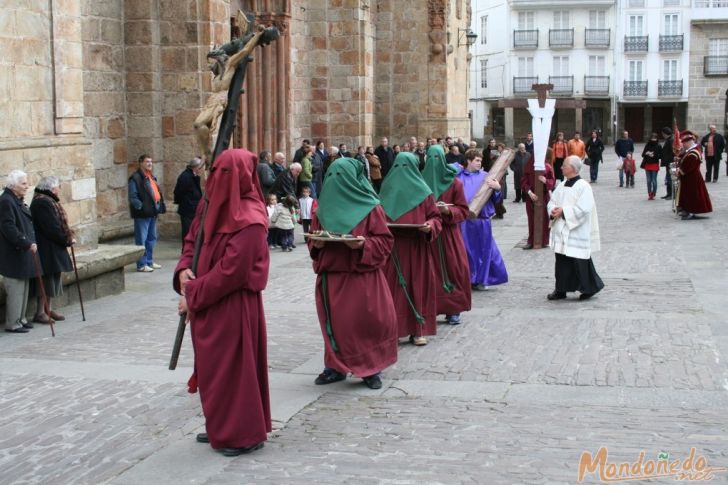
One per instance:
(587, 162)
(620, 165)
(643, 164)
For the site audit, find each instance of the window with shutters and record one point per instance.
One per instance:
(526, 21)
(670, 24)
(597, 66)
(597, 19)
(484, 73)
(525, 66)
(635, 70)
(484, 29)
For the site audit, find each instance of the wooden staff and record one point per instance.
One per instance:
(496, 172)
(43, 296)
(78, 283)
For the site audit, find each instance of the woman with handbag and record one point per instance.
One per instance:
(651, 164)
(594, 149)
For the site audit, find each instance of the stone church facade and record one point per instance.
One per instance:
(86, 86)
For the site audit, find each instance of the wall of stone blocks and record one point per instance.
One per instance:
(707, 98)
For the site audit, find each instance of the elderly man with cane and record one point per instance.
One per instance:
(17, 249)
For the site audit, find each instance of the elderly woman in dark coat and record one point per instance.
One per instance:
(54, 236)
(17, 245)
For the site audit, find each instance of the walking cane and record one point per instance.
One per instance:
(43, 296)
(78, 283)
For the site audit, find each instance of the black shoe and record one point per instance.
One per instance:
(528, 246)
(329, 376)
(707, 180)
(202, 438)
(241, 451)
(556, 295)
(28, 325)
(18, 330)
(668, 196)
(373, 382)
(585, 296)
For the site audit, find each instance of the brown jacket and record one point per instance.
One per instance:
(375, 167)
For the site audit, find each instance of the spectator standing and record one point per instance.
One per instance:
(266, 175)
(145, 204)
(386, 156)
(594, 149)
(529, 143)
(286, 183)
(54, 236)
(317, 164)
(651, 163)
(713, 145)
(454, 157)
(421, 154)
(622, 147)
(576, 146)
(628, 166)
(307, 208)
(284, 219)
(668, 157)
(187, 193)
(375, 169)
(279, 164)
(17, 248)
(301, 151)
(271, 203)
(305, 179)
(560, 151)
(517, 165)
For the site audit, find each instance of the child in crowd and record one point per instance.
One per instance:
(272, 230)
(307, 207)
(284, 218)
(628, 165)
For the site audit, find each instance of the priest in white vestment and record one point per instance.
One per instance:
(574, 234)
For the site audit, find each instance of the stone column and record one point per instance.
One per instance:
(578, 120)
(648, 123)
(508, 122)
(67, 60)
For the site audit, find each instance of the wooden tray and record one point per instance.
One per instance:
(405, 226)
(318, 237)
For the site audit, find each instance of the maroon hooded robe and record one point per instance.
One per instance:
(528, 182)
(226, 306)
(418, 268)
(454, 254)
(363, 321)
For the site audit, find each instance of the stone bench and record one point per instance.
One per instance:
(101, 271)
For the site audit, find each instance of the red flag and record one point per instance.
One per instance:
(676, 145)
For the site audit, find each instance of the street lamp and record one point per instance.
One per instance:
(468, 35)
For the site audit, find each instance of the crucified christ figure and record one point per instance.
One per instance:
(223, 62)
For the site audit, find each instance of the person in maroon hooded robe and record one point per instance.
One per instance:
(528, 187)
(694, 198)
(354, 305)
(408, 200)
(448, 249)
(225, 307)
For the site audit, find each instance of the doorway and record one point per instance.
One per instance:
(634, 122)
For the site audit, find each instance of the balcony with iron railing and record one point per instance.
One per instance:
(715, 66)
(596, 85)
(636, 43)
(670, 89)
(635, 89)
(671, 43)
(525, 39)
(599, 38)
(561, 38)
(563, 85)
(524, 85)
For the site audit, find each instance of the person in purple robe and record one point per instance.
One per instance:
(487, 267)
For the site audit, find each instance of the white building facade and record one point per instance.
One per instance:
(652, 65)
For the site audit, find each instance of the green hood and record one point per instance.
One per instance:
(347, 197)
(403, 188)
(438, 174)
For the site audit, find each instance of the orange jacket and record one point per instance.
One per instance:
(577, 147)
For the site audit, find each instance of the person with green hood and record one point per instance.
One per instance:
(353, 300)
(448, 250)
(407, 199)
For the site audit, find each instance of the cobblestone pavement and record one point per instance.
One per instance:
(514, 394)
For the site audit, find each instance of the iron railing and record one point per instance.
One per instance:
(636, 43)
(562, 84)
(715, 66)
(525, 39)
(635, 89)
(523, 85)
(596, 85)
(597, 37)
(711, 3)
(561, 38)
(670, 88)
(671, 43)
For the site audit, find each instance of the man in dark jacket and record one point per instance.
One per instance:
(386, 156)
(187, 194)
(17, 250)
(298, 156)
(287, 182)
(713, 145)
(265, 172)
(145, 204)
(622, 147)
(666, 158)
